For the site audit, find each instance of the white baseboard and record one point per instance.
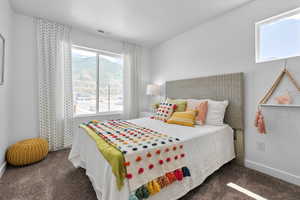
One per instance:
(286, 176)
(2, 169)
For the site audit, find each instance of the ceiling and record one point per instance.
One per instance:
(146, 22)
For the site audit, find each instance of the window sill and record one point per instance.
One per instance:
(97, 115)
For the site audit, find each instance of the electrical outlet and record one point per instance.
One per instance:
(261, 146)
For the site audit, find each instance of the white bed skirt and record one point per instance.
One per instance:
(207, 150)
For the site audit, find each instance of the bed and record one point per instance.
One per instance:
(208, 147)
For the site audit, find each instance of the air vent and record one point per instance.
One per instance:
(100, 31)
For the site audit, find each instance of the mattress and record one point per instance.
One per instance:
(207, 149)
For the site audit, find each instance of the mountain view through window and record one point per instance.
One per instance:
(97, 81)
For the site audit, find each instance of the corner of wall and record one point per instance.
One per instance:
(6, 24)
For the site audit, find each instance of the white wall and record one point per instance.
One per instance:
(145, 79)
(25, 82)
(5, 30)
(84, 39)
(227, 44)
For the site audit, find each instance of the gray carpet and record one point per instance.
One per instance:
(56, 179)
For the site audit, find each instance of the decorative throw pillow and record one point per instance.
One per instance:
(202, 109)
(216, 112)
(164, 111)
(183, 118)
(193, 103)
(181, 104)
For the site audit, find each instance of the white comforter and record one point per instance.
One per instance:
(207, 149)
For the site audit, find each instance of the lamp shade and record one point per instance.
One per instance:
(153, 90)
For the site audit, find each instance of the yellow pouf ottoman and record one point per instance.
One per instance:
(27, 152)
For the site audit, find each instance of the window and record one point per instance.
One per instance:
(97, 81)
(278, 37)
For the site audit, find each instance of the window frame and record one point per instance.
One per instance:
(98, 53)
(268, 21)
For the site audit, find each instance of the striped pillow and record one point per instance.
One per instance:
(183, 118)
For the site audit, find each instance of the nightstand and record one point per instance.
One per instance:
(146, 114)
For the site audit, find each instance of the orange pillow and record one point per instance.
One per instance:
(202, 109)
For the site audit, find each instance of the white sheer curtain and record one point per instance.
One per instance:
(132, 80)
(55, 83)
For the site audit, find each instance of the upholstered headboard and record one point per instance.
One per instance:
(220, 87)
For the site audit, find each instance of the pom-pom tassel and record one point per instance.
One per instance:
(186, 172)
(171, 177)
(145, 192)
(261, 125)
(142, 193)
(153, 187)
(259, 122)
(162, 181)
(133, 197)
(179, 175)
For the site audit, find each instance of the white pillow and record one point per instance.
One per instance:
(216, 110)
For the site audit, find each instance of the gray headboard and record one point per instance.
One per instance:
(220, 87)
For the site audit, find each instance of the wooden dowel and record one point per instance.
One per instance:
(272, 89)
(276, 83)
(274, 86)
(292, 80)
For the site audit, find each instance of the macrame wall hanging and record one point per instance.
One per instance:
(284, 99)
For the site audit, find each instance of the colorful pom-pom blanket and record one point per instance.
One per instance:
(148, 159)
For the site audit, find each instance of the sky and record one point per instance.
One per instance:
(280, 39)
